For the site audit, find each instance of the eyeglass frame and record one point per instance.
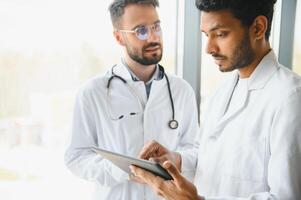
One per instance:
(149, 29)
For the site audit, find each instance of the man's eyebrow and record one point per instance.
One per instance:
(137, 26)
(215, 27)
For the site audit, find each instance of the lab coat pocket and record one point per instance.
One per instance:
(247, 160)
(128, 134)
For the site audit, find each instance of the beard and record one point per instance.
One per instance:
(155, 58)
(243, 55)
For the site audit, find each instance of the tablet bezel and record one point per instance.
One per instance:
(124, 162)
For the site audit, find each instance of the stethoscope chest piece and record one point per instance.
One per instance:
(173, 124)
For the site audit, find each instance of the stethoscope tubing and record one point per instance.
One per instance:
(173, 124)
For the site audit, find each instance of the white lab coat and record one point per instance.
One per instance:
(253, 152)
(92, 126)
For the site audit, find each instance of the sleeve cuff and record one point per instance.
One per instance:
(188, 163)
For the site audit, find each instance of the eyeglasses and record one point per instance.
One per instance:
(143, 32)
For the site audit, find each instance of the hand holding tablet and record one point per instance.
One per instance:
(124, 163)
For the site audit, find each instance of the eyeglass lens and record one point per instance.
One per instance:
(143, 32)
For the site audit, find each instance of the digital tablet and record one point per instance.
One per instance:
(124, 162)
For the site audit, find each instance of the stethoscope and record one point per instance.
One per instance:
(173, 124)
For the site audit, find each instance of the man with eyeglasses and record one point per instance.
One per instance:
(133, 103)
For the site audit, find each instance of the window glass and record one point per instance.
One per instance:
(167, 13)
(47, 49)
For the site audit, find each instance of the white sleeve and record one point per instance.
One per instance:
(284, 174)
(79, 157)
(258, 196)
(187, 148)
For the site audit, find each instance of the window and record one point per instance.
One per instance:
(47, 49)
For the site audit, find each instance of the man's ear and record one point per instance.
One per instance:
(118, 37)
(259, 27)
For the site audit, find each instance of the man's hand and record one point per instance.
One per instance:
(136, 179)
(156, 152)
(179, 188)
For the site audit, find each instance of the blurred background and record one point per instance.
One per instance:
(48, 48)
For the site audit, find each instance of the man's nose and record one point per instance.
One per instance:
(211, 47)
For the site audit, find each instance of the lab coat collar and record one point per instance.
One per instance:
(156, 75)
(264, 71)
(259, 78)
(222, 117)
(122, 70)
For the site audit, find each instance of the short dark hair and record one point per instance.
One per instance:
(244, 10)
(117, 7)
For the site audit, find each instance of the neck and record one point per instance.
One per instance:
(143, 72)
(262, 51)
